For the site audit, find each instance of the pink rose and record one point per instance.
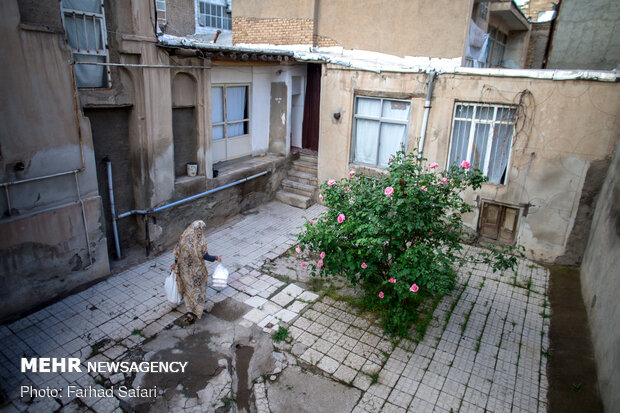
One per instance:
(364, 266)
(389, 191)
(402, 248)
(414, 288)
(298, 250)
(341, 218)
(393, 280)
(465, 165)
(303, 264)
(434, 165)
(331, 182)
(321, 197)
(322, 254)
(390, 159)
(351, 174)
(346, 189)
(311, 221)
(319, 263)
(424, 188)
(444, 181)
(381, 295)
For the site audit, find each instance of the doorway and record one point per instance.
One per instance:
(297, 111)
(312, 103)
(110, 130)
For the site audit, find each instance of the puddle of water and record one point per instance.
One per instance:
(202, 366)
(243, 356)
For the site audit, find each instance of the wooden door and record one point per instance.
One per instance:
(499, 222)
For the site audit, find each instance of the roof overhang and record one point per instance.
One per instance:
(184, 46)
(510, 14)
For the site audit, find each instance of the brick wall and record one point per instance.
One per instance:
(272, 31)
(534, 7)
(539, 37)
(324, 41)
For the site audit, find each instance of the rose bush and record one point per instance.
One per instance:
(397, 236)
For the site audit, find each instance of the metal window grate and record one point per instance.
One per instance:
(482, 134)
(215, 15)
(85, 29)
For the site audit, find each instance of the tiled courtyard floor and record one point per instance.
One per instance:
(484, 349)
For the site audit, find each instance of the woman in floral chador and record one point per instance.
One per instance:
(189, 255)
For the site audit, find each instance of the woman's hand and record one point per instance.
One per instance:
(219, 258)
(173, 267)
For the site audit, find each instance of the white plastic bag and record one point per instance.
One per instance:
(172, 289)
(220, 277)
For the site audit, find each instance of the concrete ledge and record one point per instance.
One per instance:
(232, 171)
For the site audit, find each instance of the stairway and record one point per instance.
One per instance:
(299, 187)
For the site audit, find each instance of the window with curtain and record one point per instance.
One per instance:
(482, 134)
(229, 111)
(497, 47)
(215, 13)
(84, 22)
(380, 129)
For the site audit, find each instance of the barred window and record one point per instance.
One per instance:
(482, 134)
(216, 14)
(84, 22)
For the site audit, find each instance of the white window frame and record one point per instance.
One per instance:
(491, 133)
(225, 5)
(381, 120)
(100, 50)
(225, 123)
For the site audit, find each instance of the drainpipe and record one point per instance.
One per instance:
(113, 208)
(315, 25)
(427, 111)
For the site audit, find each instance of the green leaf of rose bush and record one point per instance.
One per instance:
(396, 235)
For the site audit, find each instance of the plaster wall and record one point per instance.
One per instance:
(283, 9)
(600, 282)
(180, 17)
(43, 248)
(562, 132)
(587, 36)
(42, 117)
(45, 255)
(158, 128)
(434, 28)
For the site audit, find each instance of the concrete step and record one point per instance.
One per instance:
(302, 177)
(298, 188)
(295, 200)
(313, 159)
(304, 166)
